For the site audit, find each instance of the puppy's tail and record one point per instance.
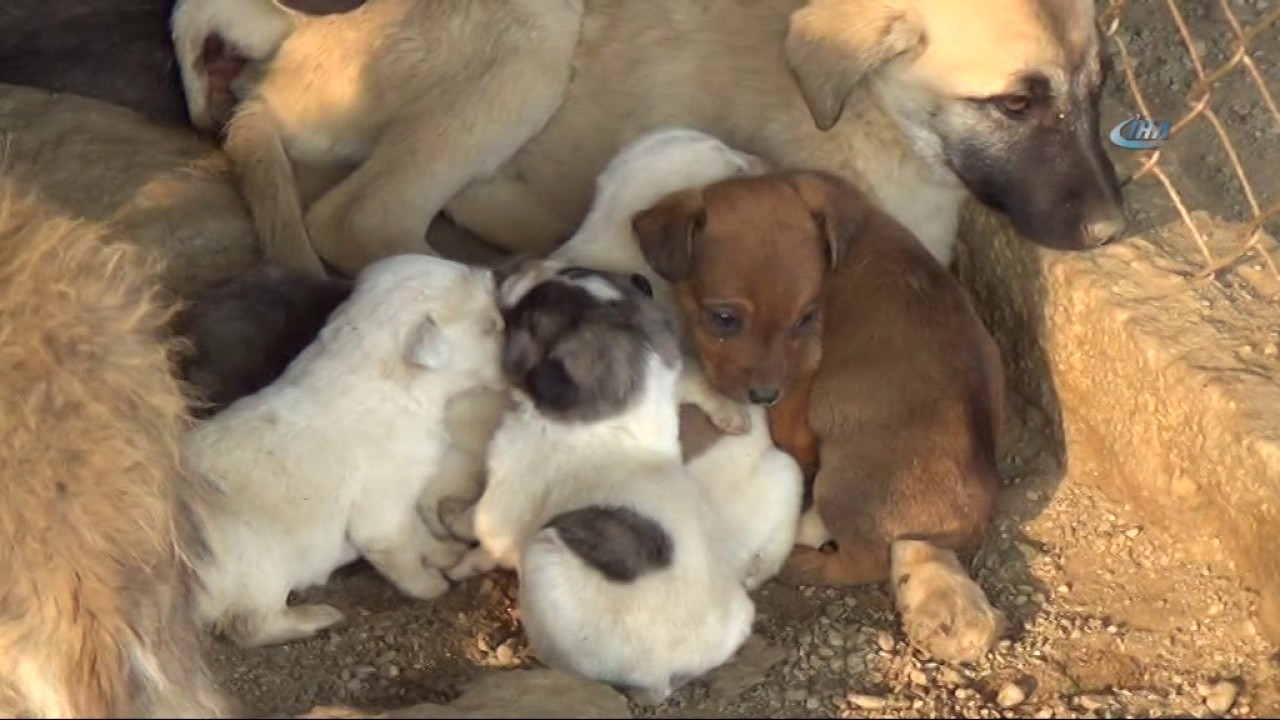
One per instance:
(256, 148)
(619, 542)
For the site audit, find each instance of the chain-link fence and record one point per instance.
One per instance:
(1220, 61)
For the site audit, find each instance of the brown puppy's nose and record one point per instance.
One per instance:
(1105, 230)
(763, 396)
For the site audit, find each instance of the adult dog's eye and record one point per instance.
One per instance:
(1012, 105)
(724, 323)
(806, 320)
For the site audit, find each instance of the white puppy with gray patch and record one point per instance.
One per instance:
(617, 549)
(328, 462)
(754, 485)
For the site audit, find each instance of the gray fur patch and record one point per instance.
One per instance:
(578, 343)
(619, 542)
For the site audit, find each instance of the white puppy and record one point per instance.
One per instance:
(621, 579)
(327, 463)
(756, 486)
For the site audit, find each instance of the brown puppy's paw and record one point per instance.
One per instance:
(944, 612)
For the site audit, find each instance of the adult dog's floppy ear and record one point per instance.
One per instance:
(838, 207)
(317, 8)
(831, 45)
(665, 233)
(427, 346)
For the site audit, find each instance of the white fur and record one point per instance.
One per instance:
(328, 463)
(255, 28)
(756, 487)
(757, 490)
(681, 620)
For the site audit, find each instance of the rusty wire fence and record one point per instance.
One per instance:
(1248, 38)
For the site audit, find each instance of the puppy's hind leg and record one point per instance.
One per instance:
(261, 627)
(944, 612)
(854, 562)
(256, 149)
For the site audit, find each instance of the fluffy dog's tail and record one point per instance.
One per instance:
(617, 541)
(256, 148)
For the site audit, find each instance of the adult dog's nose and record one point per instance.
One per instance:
(1104, 231)
(763, 396)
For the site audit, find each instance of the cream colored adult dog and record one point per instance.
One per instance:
(328, 463)
(916, 101)
(419, 96)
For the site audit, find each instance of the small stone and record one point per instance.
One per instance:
(918, 677)
(1133, 532)
(1092, 702)
(885, 641)
(835, 639)
(1011, 696)
(1221, 697)
(391, 671)
(949, 676)
(868, 702)
(504, 654)
(812, 703)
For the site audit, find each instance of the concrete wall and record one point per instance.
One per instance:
(1160, 390)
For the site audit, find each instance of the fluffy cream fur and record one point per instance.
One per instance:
(328, 463)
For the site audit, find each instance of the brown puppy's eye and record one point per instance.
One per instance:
(806, 321)
(724, 323)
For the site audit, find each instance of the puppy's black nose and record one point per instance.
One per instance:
(763, 396)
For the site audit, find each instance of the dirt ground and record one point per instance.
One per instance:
(1110, 618)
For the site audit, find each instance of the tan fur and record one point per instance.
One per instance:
(95, 531)
(164, 189)
(421, 96)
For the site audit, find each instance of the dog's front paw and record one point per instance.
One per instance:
(728, 416)
(946, 614)
(427, 585)
(444, 554)
(476, 562)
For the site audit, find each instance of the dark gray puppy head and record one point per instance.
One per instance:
(578, 341)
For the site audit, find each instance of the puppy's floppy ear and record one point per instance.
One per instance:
(838, 207)
(427, 346)
(665, 232)
(832, 44)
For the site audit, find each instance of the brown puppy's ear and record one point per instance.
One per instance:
(837, 206)
(665, 233)
(832, 44)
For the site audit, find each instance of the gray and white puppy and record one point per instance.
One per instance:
(617, 548)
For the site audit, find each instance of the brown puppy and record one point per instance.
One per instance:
(882, 382)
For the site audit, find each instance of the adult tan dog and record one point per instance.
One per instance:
(163, 188)
(878, 374)
(418, 96)
(916, 101)
(96, 529)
